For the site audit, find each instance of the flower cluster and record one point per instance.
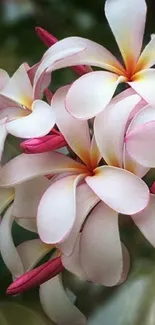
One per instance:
(72, 197)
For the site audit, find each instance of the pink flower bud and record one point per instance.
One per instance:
(152, 189)
(50, 142)
(35, 277)
(48, 39)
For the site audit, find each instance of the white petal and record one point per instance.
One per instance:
(7, 248)
(25, 167)
(27, 197)
(127, 22)
(31, 252)
(57, 210)
(72, 263)
(120, 189)
(57, 305)
(85, 201)
(90, 94)
(75, 132)
(100, 246)
(19, 88)
(110, 126)
(36, 124)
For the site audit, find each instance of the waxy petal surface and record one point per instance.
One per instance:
(100, 246)
(54, 299)
(90, 94)
(143, 83)
(57, 210)
(85, 202)
(36, 124)
(19, 88)
(119, 189)
(140, 144)
(25, 167)
(75, 132)
(110, 126)
(127, 22)
(72, 263)
(27, 197)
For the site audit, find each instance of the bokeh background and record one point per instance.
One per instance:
(134, 302)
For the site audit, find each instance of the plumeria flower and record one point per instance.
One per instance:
(22, 259)
(25, 117)
(90, 94)
(63, 207)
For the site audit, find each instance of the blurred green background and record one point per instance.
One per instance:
(134, 302)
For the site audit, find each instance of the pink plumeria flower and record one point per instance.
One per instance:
(26, 117)
(64, 207)
(91, 93)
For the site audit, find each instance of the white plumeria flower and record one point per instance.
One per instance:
(66, 203)
(90, 94)
(24, 116)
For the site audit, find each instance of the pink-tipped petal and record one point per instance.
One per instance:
(121, 190)
(100, 246)
(35, 277)
(85, 202)
(140, 144)
(36, 124)
(127, 22)
(57, 210)
(72, 263)
(27, 197)
(132, 165)
(145, 221)
(44, 144)
(75, 132)
(90, 94)
(25, 167)
(144, 84)
(4, 78)
(145, 115)
(110, 126)
(57, 305)
(19, 87)
(8, 250)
